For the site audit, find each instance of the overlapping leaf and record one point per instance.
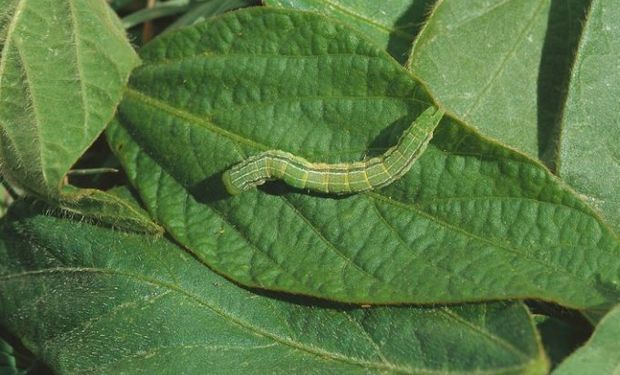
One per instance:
(560, 337)
(62, 70)
(87, 299)
(389, 24)
(601, 354)
(502, 66)
(63, 67)
(471, 221)
(590, 147)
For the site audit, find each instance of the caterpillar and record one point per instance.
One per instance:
(339, 178)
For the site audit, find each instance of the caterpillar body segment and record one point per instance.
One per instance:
(338, 178)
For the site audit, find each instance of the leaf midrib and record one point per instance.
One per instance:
(238, 138)
(257, 249)
(218, 311)
(154, 208)
(444, 224)
(331, 245)
(19, 8)
(249, 326)
(210, 125)
(500, 341)
(78, 45)
(502, 66)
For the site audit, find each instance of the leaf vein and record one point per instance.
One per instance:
(476, 237)
(338, 252)
(225, 315)
(492, 77)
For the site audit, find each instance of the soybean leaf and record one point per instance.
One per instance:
(470, 221)
(63, 67)
(590, 151)
(390, 24)
(88, 299)
(601, 354)
(62, 71)
(502, 66)
(111, 208)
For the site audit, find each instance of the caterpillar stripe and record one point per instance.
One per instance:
(340, 178)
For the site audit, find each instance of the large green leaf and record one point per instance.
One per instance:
(601, 354)
(63, 67)
(502, 66)
(470, 221)
(590, 148)
(87, 299)
(390, 24)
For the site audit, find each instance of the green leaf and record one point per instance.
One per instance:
(63, 67)
(61, 78)
(113, 207)
(601, 354)
(502, 66)
(87, 299)
(590, 151)
(471, 221)
(392, 24)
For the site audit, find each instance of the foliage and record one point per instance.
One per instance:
(601, 354)
(121, 251)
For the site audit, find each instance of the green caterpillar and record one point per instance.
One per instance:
(340, 178)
